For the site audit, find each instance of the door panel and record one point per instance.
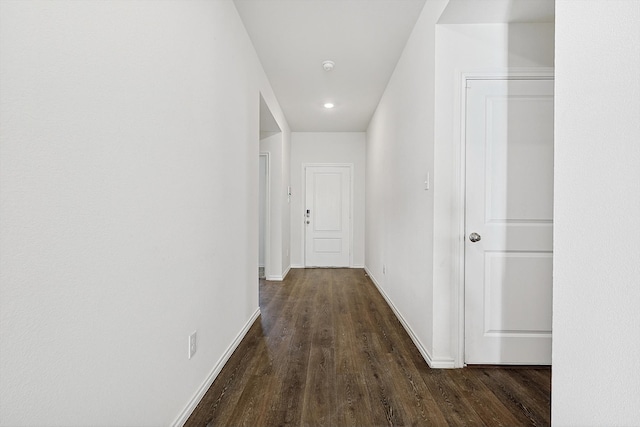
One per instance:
(327, 203)
(515, 277)
(518, 159)
(327, 222)
(509, 203)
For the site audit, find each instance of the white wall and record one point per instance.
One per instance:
(463, 49)
(327, 147)
(278, 263)
(399, 212)
(286, 203)
(129, 200)
(414, 133)
(262, 209)
(596, 320)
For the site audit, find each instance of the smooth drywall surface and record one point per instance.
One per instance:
(480, 49)
(596, 320)
(399, 210)
(498, 11)
(286, 203)
(411, 231)
(128, 205)
(327, 147)
(273, 146)
(262, 209)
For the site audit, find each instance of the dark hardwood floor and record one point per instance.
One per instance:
(328, 351)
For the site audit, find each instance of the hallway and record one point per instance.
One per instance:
(327, 350)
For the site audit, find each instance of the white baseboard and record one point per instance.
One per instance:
(302, 266)
(442, 363)
(191, 406)
(276, 278)
(436, 363)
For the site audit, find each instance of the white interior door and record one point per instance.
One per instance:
(509, 207)
(327, 216)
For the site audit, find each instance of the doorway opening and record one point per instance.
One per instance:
(269, 146)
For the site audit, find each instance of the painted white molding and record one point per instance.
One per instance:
(197, 397)
(280, 278)
(298, 266)
(528, 73)
(442, 363)
(436, 363)
(459, 169)
(267, 214)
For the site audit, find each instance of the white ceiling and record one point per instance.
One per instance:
(363, 37)
(497, 11)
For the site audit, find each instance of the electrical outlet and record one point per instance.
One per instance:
(192, 344)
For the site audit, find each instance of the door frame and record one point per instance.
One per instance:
(304, 203)
(267, 214)
(459, 188)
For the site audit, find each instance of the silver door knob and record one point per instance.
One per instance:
(475, 237)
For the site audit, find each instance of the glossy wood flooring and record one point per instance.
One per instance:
(328, 351)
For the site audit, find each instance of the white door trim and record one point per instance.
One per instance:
(267, 215)
(303, 197)
(542, 73)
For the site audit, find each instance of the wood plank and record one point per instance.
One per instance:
(319, 399)
(217, 404)
(456, 410)
(517, 398)
(491, 411)
(353, 403)
(328, 351)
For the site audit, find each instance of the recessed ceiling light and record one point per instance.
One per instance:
(329, 105)
(328, 65)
